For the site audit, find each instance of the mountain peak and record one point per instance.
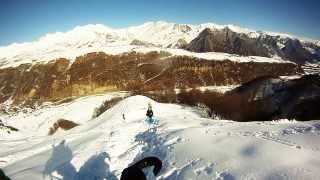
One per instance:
(98, 37)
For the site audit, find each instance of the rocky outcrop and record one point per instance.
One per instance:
(137, 42)
(180, 44)
(293, 50)
(228, 41)
(98, 72)
(182, 28)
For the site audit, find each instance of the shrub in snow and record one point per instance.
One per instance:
(105, 106)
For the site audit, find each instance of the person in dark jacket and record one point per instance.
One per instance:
(149, 114)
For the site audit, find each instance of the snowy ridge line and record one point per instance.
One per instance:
(95, 38)
(119, 50)
(215, 56)
(147, 32)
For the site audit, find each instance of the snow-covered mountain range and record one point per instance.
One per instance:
(93, 38)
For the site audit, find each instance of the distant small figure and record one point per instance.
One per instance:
(149, 114)
(134, 172)
(123, 116)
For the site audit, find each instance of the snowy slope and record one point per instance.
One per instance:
(37, 122)
(190, 146)
(95, 38)
(216, 56)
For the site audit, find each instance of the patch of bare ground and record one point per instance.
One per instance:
(63, 124)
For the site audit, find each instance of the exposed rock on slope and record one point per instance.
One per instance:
(63, 124)
(228, 41)
(181, 43)
(98, 72)
(190, 72)
(137, 42)
(294, 51)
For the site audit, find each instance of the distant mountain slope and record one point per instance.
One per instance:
(229, 41)
(94, 38)
(95, 73)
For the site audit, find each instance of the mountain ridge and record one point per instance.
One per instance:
(94, 38)
(228, 41)
(235, 28)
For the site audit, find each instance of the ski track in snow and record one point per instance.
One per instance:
(190, 146)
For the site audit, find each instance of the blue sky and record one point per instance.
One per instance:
(27, 20)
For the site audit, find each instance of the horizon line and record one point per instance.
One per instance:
(272, 33)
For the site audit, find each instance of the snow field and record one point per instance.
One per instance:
(190, 146)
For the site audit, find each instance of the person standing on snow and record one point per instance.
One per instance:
(149, 114)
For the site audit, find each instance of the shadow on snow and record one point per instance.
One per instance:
(95, 168)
